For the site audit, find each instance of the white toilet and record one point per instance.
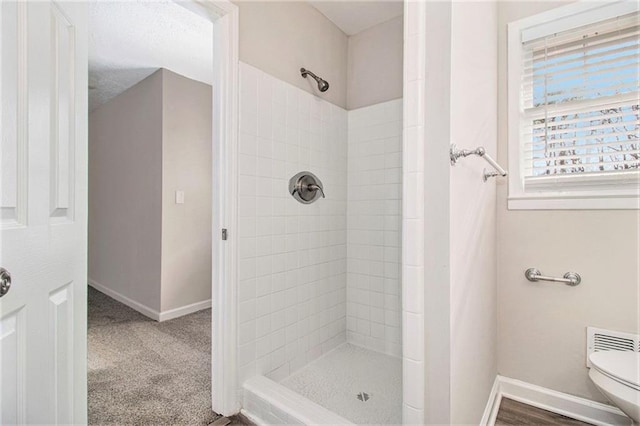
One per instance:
(617, 375)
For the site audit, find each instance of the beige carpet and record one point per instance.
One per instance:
(141, 372)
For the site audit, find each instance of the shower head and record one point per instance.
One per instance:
(323, 86)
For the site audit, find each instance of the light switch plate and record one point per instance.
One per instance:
(179, 197)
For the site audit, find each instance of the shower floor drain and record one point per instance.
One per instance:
(363, 396)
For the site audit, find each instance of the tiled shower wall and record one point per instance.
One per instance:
(292, 256)
(374, 210)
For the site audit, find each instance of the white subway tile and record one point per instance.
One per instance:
(413, 335)
(247, 311)
(247, 333)
(292, 256)
(413, 383)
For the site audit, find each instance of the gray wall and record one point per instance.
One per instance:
(473, 210)
(541, 327)
(374, 69)
(186, 166)
(125, 199)
(145, 144)
(281, 37)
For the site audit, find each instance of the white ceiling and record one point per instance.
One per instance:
(355, 16)
(130, 40)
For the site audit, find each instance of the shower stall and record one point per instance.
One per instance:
(320, 209)
(319, 245)
(373, 300)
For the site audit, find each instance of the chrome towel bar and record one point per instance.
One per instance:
(570, 278)
(455, 154)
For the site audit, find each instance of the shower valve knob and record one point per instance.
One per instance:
(314, 187)
(306, 187)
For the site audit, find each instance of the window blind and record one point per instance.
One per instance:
(580, 94)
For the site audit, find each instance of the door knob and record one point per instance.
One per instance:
(5, 281)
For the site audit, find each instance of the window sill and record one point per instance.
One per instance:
(550, 201)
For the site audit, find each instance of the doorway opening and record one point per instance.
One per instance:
(150, 213)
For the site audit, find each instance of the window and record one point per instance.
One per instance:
(574, 109)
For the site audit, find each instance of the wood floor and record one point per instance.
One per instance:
(510, 413)
(518, 414)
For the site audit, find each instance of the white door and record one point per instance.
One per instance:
(43, 201)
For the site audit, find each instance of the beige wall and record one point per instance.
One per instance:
(374, 69)
(473, 210)
(541, 332)
(281, 37)
(186, 166)
(125, 184)
(145, 144)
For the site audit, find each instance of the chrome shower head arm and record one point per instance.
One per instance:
(305, 72)
(323, 85)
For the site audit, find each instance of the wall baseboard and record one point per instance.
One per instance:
(557, 402)
(143, 309)
(147, 311)
(493, 404)
(184, 310)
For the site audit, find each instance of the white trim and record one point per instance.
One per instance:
(574, 203)
(557, 402)
(135, 305)
(414, 402)
(625, 184)
(514, 67)
(184, 310)
(224, 16)
(573, 15)
(147, 311)
(278, 401)
(519, 198)
(252, 417)
(493, 404)
(225, 396)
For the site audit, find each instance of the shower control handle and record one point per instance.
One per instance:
(310, 187)
(306, 188)
(314, 187)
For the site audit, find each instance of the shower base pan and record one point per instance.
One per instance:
(349, 385)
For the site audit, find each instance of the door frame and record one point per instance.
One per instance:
(419, 403)
(224, 398)
(225, 209)
(224, 16)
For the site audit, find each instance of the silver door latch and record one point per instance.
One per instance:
(5, 281)
(224, 234)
